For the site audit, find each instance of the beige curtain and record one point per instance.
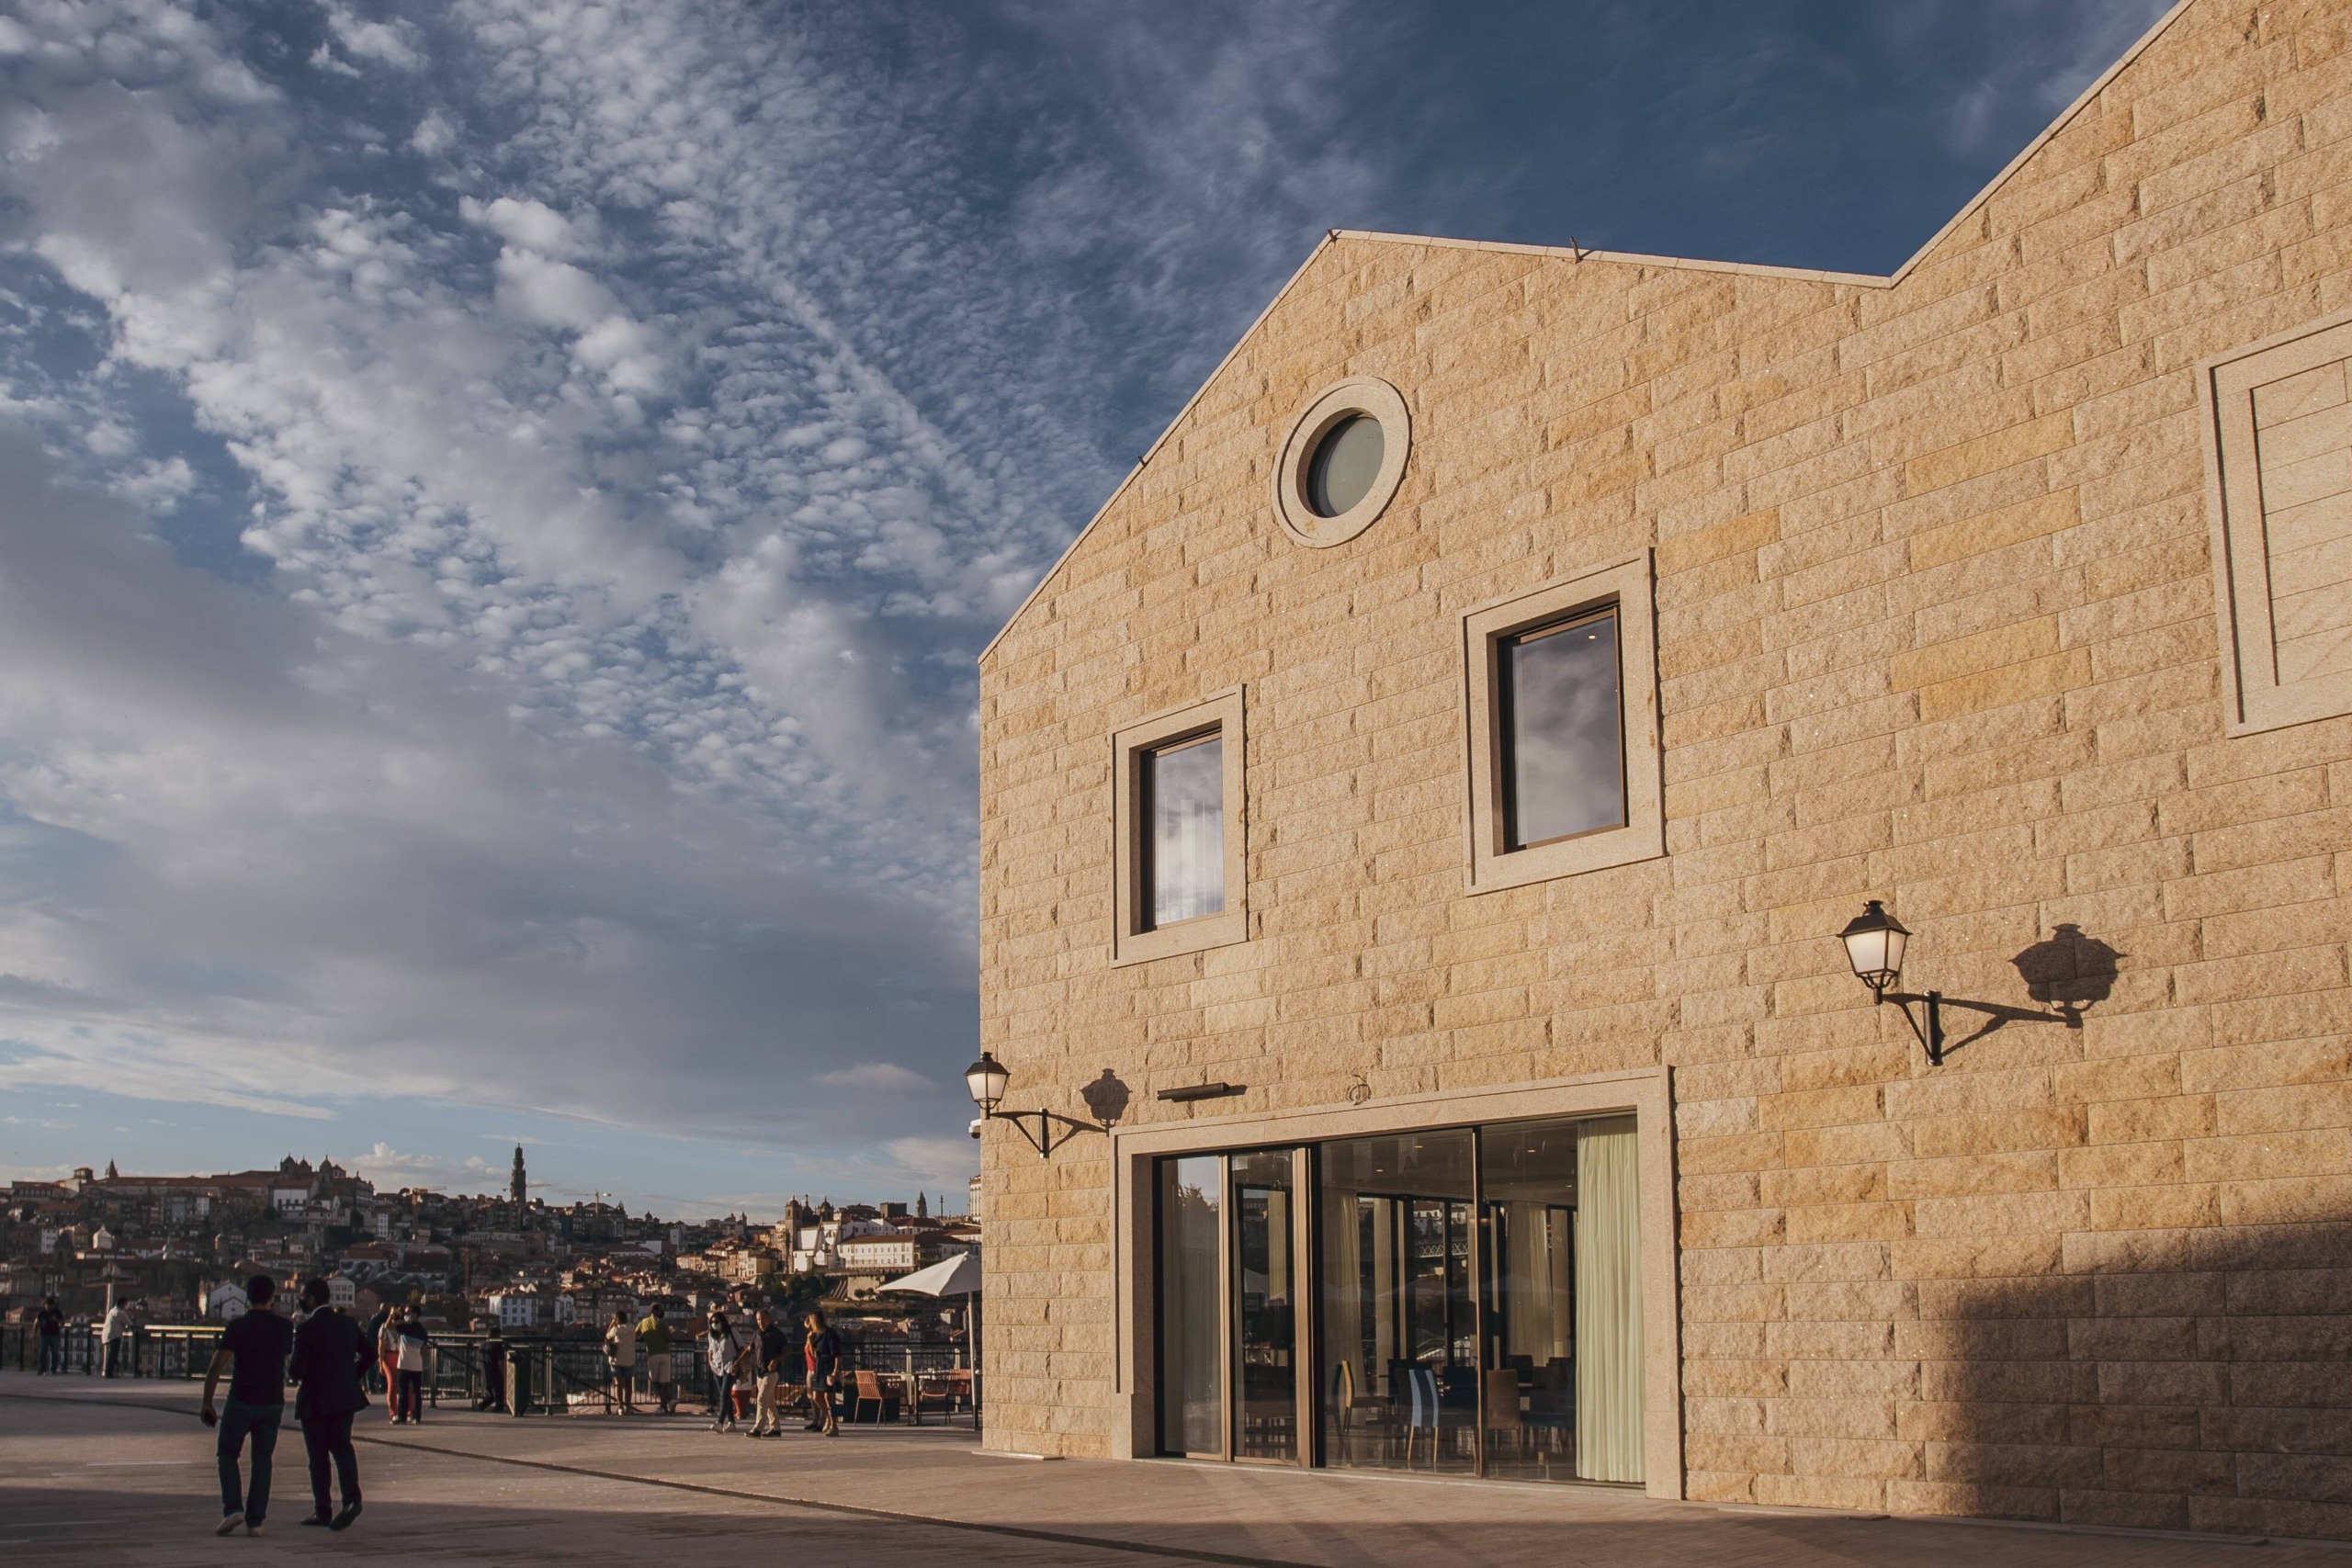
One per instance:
(1342, 1296)
(1609, 1303)
(1527, 1278)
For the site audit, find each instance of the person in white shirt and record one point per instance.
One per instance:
(722, 1347)
(114, 1335)
(620, 1350)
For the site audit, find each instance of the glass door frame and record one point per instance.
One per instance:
(1311, 1388)
(1306, 1449)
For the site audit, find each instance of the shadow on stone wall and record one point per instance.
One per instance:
(2173, 1378)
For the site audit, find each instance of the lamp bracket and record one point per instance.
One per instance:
(1045, 1130)
(1931, 1038)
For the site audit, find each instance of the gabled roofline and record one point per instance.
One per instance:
(1568, 253)
(1149, 452)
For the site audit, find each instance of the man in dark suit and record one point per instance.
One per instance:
(330, 1358)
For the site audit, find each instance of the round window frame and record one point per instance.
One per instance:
(1375, 399)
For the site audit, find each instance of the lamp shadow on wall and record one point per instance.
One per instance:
(2068, 972)
(1106, 1097)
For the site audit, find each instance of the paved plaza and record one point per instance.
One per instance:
(121, 1474)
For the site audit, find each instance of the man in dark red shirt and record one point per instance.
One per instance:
(255, 1346)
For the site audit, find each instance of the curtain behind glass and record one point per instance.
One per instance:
(1185, 785)
(1191, 1362)
(1609, 1303)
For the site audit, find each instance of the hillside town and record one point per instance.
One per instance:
(171, 1250)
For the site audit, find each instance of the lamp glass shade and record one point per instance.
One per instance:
(987, 1079)
(1874, 941)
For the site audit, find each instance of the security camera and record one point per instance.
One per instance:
(975, 1126)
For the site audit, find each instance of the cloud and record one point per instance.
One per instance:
(879, 1075)
(392, 1169)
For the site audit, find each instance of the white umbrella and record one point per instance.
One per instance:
(956, 1276)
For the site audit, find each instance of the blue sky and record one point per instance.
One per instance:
(499, 500)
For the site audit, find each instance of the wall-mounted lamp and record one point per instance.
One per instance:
(987, 1079)
(1874, 942)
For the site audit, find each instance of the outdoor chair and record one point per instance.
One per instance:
(866, 1388)
(933, 1392)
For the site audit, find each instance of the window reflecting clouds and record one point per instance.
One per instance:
(1185, 786)
(1563, 731)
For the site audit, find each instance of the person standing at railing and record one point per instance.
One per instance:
(253, 1351)
(50, 1322)
(331, 1355)
(620, 1355)
(112, 1337)
(493, 1371)
(415, 1352)
(387, 1357)
(723, 1347)
(654, 1338)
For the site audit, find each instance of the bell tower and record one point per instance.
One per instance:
(516, 1187)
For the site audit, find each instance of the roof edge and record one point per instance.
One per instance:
(2050, 133)
(1628, 258)
(1162, 440)
(1974, 205)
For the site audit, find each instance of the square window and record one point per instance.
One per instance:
(1564, 767)
(1177, 826)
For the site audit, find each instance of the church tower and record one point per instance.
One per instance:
(516, 1187)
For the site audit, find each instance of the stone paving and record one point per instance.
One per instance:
(120, 1473)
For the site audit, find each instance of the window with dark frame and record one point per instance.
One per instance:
(1561, 730)
(1181, 789)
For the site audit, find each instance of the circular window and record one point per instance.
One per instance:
(1342, 461)
(1345, 463)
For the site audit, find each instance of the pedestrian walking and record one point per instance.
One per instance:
(252, 1353)
(50, 1322)
(112, 1339)
(822, 1349)
(413, 1354)
(772, 1347)
(620, 1354)
(331, 1356)
(654, 1339)
(722, 1347)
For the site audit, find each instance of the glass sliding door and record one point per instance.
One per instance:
(1231, 1261)
(1397, 1381)
(1265, 1317)
(1527, 1185)
(1561, 1371)
(1192, 1306)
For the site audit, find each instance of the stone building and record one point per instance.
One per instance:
(1432, 788)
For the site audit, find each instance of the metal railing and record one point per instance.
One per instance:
(555, 1372)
